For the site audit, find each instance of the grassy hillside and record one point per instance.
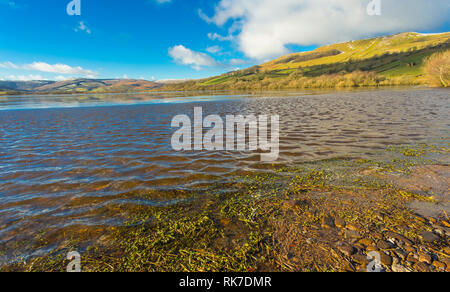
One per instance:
(390, 60)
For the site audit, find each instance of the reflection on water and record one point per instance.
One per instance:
(66, 166)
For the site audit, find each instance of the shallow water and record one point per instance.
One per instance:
(65, 159)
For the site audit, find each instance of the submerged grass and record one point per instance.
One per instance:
(270, 222)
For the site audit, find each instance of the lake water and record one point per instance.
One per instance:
(64, 159)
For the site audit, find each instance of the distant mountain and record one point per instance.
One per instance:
(22, 85)
(79, 86)
(389, 60)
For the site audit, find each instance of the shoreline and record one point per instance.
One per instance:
(317, 217)
(235, 91)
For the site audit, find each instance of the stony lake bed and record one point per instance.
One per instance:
(360, 174)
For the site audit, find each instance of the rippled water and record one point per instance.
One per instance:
(64, 160)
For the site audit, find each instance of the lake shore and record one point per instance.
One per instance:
(318, 217)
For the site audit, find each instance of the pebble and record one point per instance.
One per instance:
(423, 257)
(400, 237)
(440, 266)
(352, 234)
(383, 245)
(412, 258)
(429, 237)
(400, 269)
(347, 249)
(361, 259)
(366, 242)
(422, 267)
(385, 259)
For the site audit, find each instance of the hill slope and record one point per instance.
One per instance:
(390, 60)
(79, 86)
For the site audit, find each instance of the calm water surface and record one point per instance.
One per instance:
(64, 159)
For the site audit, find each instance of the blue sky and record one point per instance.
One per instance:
(177, 39)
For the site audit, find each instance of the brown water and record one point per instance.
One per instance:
(68, 161)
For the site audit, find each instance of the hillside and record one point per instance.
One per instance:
(79, 86)
(382, 61)
(390, 60)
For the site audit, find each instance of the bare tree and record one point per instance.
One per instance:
(437, 69)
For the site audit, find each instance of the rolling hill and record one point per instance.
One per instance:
(382, 61)
(79, 86)
(389, 60)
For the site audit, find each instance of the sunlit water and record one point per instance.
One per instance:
(63, 159)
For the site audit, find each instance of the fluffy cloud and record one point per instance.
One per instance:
(58, 68)
(268, 26)
(185, 56)
(48, 68)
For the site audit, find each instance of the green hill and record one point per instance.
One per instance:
(389, 60)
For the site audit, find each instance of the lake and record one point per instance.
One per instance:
(71, 160)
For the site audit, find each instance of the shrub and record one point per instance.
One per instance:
(437, 69)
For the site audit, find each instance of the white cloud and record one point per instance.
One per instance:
(237, 62)
(83, 27)
(185, 56)
(48, 68)
(9, 65)
(214, 49)
(268, 26)
(62, 78)
(218, 37)
(58, 68)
